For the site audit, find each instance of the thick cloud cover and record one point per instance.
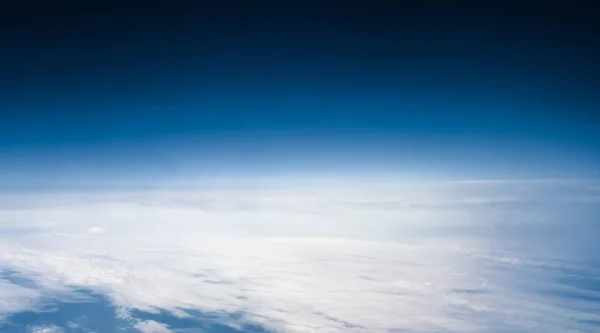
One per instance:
(445, 257)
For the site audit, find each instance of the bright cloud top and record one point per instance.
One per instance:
(96, 230)
(458, 257)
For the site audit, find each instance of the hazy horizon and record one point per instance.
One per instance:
(331, 166)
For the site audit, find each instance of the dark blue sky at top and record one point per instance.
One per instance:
(116, 89)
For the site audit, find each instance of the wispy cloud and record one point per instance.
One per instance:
(46, 329)
(15, 298)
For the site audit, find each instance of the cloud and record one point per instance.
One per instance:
(46, 329)
(150, 326)
(96, 230)
(444, 257)
(15, 298)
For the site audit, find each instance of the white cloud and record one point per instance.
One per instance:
(15, 298)
(96, 230)
(151, 326)
(366, 260)
(46, 329)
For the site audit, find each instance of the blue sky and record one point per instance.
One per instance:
(356, 91)
(465, 134)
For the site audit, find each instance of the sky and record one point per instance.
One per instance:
(299, 167)
(120, 93)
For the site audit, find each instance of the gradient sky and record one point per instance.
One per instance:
(118, 93)
(299, 166)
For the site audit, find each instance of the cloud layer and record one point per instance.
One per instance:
(446, 257)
